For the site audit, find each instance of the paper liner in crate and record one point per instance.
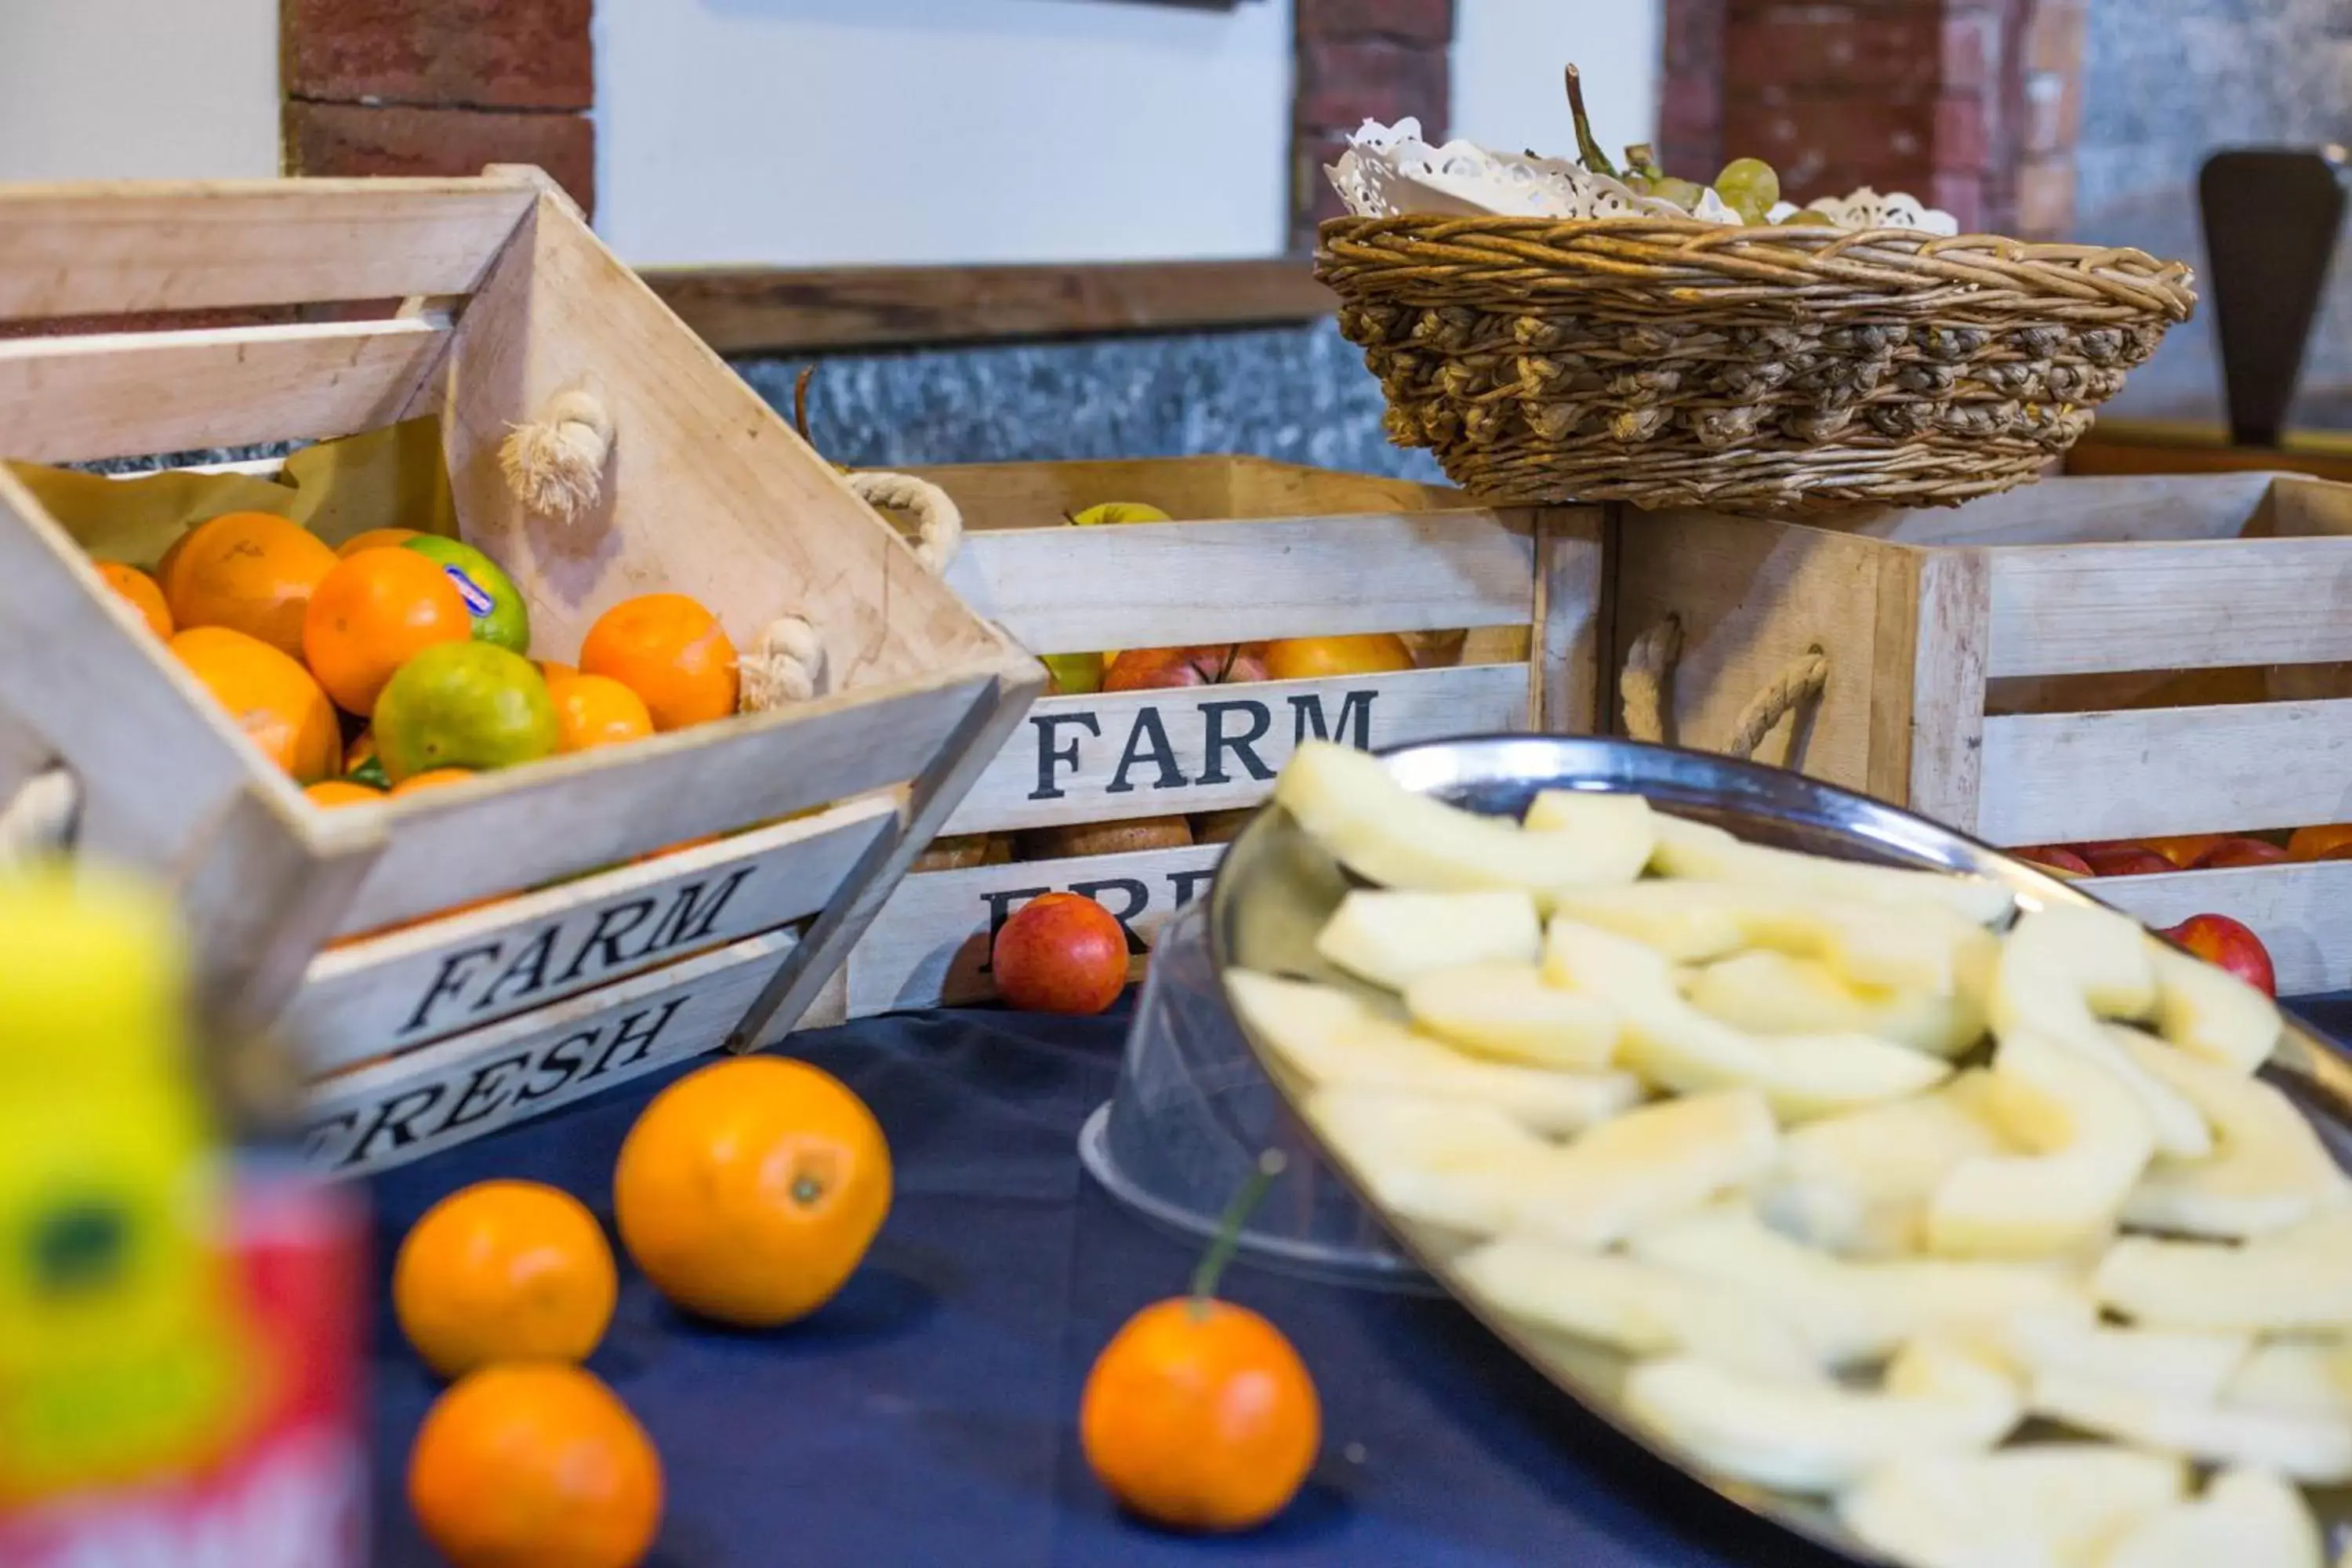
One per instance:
(1389, 171)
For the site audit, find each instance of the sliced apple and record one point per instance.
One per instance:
(1331, 1038)
(2031, 1505)
(2059, 973)
(1393, 938)
(2248, 1516)
(1594, 814)
(1348, 801)
(1459, 1164)
(1859, 1184)
(2294, 1377)
(1649, 1165)
(2211, 1013)
(2096, 1139)
(1853, 1312)
(1630, 1306)
(1678, 1048)
(2269, 1171)
(2183, 1364)
(2316, 1448)
(1693, 850)
(1768, 993)
(1914, 947)
(1816, 1437)
(2299, 1280)
(1506, 1012)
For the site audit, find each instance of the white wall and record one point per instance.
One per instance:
(1508, 59)
(816, 132)
(138, 89)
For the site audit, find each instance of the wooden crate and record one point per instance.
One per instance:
(2086, 659)
(1259, 550)
(503, 299)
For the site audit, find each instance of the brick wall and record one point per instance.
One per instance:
(1970, 105)
(1359, 60)
(439, 86)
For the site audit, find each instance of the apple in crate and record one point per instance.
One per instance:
(2125, 860)
(2226, 944)
(2056, 857)
(2229, 852)
(1209, 663)
(1059, 952)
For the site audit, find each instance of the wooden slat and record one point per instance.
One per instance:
(1150, 754)
(395, 992)
(121, 246)
(760, 310)
(1928, 689)
(496, 835)
(1572, 618)
(2090, 608)
(2058, 777)
(2302, 913)
(1151, 585)
(928, 948)
(394, 1111)
(1190, 489)
(707, 493)
(2104, 511)
(125, 394)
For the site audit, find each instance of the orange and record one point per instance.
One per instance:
(748, 1192)
(1306, 659)
(555, 670)
(504, 1271)
(342, 792)
(537, 1464)
(1200, 1416)
(143, 593)
(596, 711)
(371, 615)
(670, 651)
(250, 571)
(272, 699)
(432, 780)
(376, 539)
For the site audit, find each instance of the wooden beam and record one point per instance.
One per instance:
(761, 309)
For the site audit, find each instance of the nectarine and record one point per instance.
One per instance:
(2231, 852)
(2226, 944)
(1305, 658)
(2332, 841)
(1060, 954)
(2125, 860)
(2056, 857)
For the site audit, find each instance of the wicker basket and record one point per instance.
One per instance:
(1673, 363)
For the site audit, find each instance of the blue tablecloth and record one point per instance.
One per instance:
(927, 1416)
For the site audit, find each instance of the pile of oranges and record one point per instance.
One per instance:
(747, 1192)
(400, 661)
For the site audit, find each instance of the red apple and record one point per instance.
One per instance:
(2125, 860)
(2056, 857)
(2240, 852)
(2224, 943)
(1060, 954)
(1210, 664)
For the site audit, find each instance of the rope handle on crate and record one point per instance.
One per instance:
(787, 664)
(555, 465)
(38, 820)
(1641, 688)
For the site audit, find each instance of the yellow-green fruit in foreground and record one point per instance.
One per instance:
(463, 705)
(1120, 511)
(1074, 673)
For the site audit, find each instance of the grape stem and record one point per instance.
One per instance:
(1229, 1228)
(1587, 149)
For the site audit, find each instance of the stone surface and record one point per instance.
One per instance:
(360, 139)
(1299, 394)
(2167, 82)
(469, 54)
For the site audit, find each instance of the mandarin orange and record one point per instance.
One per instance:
(373, 612)
(504, 1270)
(252, 572)
(376, 539)
(671, 652)
(142, 591)
(342, 792)
(596, 711)
(270, 697)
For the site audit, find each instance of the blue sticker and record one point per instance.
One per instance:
(477, 603)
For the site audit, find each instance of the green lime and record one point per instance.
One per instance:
(463, 705)
(490, 595)
(370, 773)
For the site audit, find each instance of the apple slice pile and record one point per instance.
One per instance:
(1861, 1174)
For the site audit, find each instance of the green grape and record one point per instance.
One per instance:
(1748, 187)
(1642, 163)
(1808, 218)
(1684, 193)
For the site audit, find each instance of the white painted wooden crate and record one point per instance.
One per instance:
(440, 1031)
(1259, 550)
(2084, 659)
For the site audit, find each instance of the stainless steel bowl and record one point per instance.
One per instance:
(1277, 886)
